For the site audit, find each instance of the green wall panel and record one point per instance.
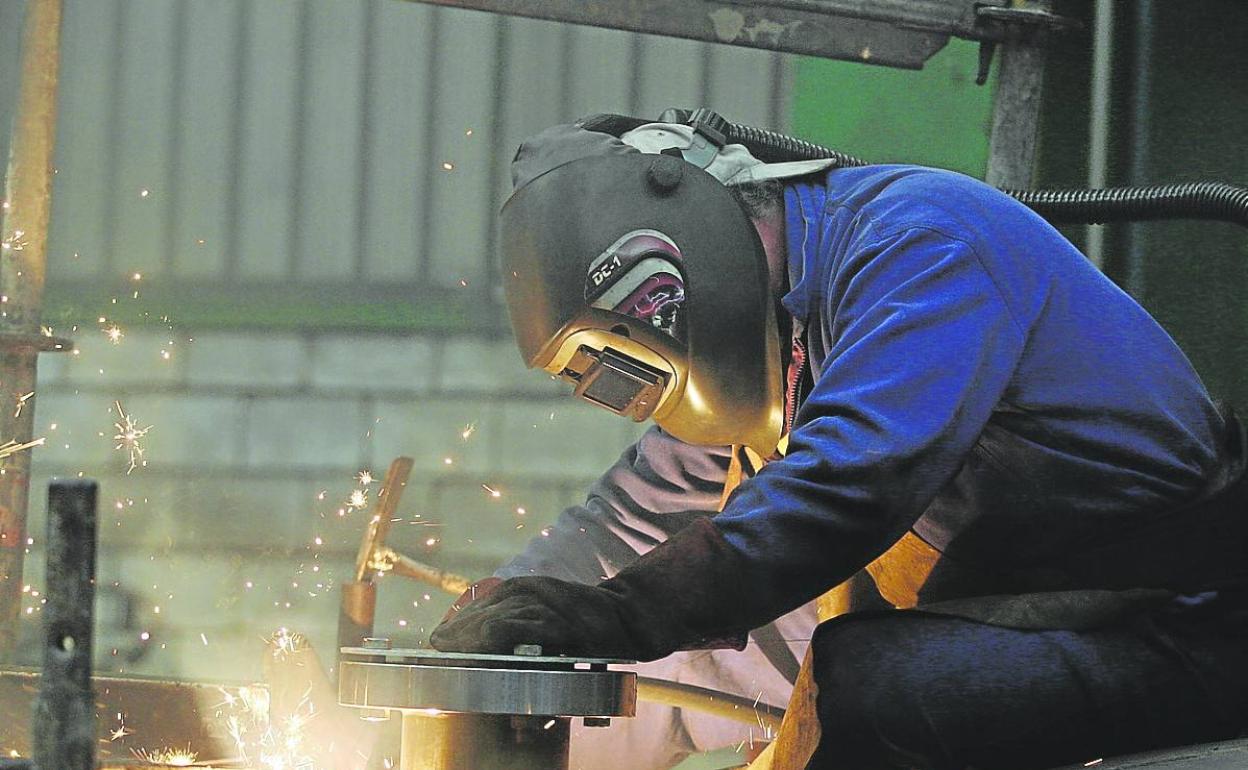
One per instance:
(936, 116)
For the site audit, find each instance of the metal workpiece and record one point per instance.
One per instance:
(356, 611)
(484, 684)
(64, 724)
(483, 742)
(157, 712)
(484, 712)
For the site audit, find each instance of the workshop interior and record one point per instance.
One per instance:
(266, 418)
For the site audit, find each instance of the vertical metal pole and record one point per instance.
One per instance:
(1141, 139)
(1098, 123)
(1016, 110)
(23, 252)
(64, 728)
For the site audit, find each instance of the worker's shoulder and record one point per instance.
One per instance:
(888, 199)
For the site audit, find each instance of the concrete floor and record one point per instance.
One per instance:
(1228, 755)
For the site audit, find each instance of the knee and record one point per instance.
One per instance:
(871, 701)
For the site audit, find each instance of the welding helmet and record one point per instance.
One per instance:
(637, 277)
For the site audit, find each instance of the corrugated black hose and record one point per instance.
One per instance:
(1191, 200)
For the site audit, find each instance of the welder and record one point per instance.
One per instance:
(897, 377)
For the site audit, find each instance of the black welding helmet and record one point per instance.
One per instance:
(638, 278)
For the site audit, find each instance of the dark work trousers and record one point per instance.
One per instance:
(905, 689)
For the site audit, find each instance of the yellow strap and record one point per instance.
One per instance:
(733, 480)
(901, 571)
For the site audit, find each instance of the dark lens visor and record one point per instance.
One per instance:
(616, 382)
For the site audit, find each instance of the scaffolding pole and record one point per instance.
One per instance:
(23, 253)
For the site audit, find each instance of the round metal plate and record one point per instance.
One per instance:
(414, 655)
(469, 688)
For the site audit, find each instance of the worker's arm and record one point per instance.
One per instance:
(923, 347)
(639, 502)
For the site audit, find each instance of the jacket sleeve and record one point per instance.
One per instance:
(656, 487)
(921, 347)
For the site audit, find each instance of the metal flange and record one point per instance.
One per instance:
(413, 680)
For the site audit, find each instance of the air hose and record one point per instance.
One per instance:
(1192, 200)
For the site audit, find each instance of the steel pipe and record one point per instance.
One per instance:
(707, 701)
(23, 246)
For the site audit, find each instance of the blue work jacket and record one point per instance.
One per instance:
(975, 380)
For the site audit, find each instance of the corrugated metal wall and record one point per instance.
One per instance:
(351, 144)
(239, 153)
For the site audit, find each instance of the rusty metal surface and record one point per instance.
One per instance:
(23, 251)
(134, 714)
(896, 33)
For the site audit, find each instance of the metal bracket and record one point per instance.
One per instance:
(41, 343)
(1001, 23)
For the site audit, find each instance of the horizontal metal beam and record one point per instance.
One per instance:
(895, 33)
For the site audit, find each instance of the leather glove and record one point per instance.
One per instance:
(684, 594)
(478, 590)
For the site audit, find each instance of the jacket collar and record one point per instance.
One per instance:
(804, 203)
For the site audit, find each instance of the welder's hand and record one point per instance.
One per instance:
(478, 590)
(685, 594)
(564, 618)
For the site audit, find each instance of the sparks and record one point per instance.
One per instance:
(491, 491)
(283, 642)
(357, 499)
(114, 334)
(167, 756)
(121, 731)
(15, 242)
(129, 437)
(448, 166)
(468, 430)
(21, 403)
(13, 447)
(364, 478)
